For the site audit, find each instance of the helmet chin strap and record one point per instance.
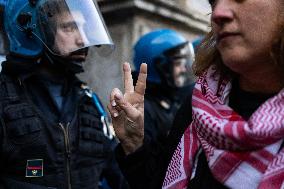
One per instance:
(71, 66)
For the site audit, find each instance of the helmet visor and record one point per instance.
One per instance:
(182, 72)
(181, 59)
(70, 25)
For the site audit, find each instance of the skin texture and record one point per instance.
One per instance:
(245, 31)
(129, 128)
(180, 72)
(69, 35)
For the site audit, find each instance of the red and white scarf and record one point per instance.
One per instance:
(240, 154)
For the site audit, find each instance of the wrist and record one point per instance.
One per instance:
(130, 147)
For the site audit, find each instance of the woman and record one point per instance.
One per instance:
(234, 136)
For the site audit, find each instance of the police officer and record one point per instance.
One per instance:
(169, 77)
(53, 129)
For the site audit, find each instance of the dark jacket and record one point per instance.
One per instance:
(160, 107)
(44, 145)
(146, 168)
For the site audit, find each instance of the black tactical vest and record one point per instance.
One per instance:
(38, 154)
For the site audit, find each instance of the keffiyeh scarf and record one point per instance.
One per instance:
(240, 153)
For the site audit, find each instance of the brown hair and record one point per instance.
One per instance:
(207, 55)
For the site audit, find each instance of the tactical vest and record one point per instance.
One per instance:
(38, 154)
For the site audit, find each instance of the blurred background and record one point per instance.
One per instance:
(127, 20)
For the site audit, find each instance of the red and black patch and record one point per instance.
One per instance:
(34, 168)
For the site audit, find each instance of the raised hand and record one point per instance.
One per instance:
(127, 110)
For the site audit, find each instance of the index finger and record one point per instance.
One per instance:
(128, 81)
(141, 82)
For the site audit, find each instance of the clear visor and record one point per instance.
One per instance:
(182, 61)
(70, 25)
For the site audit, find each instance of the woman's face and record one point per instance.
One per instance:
(245, 31)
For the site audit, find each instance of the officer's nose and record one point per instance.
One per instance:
(183, 68)
(81, 39)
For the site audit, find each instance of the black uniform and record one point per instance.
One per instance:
(146, 168)
(51, 134)
(160, 107)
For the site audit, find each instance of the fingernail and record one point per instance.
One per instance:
(113, 103)
(115, 114)
(118, 96)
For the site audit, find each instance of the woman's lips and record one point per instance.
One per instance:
(226, 35)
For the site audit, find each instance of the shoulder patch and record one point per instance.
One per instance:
(34, 168)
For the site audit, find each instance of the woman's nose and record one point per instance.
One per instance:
(222, 12)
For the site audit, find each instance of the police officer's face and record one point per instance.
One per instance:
(180, 72)
(70, 36)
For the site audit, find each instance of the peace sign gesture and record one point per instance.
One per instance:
(127, 110)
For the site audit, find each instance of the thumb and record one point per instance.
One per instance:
(130, 111)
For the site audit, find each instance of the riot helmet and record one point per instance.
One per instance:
(168, 56)
(63, 29)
